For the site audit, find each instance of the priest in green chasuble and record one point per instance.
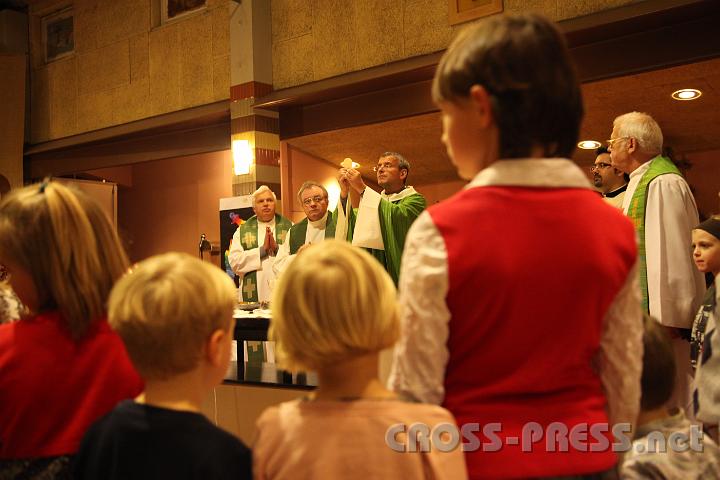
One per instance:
(255, 245)
(317, 225)
(382, 220)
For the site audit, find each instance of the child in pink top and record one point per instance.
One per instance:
(351, 426)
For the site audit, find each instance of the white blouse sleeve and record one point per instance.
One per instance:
(621, 352)
(421, 354)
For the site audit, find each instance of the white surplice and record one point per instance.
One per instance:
(315, 233)
(244, 261)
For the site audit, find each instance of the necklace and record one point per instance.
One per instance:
(399, 398)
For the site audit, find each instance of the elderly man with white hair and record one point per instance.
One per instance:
(662, 207)
(254, 246)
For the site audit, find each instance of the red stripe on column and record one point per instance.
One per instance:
(249, 90)
(267, 156)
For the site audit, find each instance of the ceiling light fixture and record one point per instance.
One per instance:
(686, 94)
(588, 144)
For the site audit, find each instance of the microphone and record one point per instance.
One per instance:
(204, 245)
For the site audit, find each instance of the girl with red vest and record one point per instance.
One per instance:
(61, 367)
(521, 312)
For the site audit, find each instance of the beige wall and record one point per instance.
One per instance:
(304, 167)
(236, 408)
(704, 178)
(124, 68)
(317, 39)
(171, 202)
(12, 118)
(437, 192)
(120, 175)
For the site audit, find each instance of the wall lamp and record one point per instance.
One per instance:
(242, 154)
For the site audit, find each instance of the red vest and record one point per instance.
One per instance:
(52, 389)
(532, 273)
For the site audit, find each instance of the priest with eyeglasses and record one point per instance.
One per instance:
(383, 219)
(317, 225)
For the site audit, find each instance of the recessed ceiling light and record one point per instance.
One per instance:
(687, 94)
(588, 144)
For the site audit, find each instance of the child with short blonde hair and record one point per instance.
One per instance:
(61, 366)
(341, 430)
(174, 313)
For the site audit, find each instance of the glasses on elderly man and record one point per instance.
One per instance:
(316, 199)
(611, 142)
(599, 166)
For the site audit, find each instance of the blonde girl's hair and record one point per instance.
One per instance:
(66, 242)
(165, 310)
(334, 302)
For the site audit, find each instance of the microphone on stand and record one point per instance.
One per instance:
(204, 245)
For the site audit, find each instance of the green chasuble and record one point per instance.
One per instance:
(636, 211)
(396, 213)
(298, 232)
(249, 240)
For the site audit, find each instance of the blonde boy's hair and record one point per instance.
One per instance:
(64, 240)
(333, 303)
(165, 310)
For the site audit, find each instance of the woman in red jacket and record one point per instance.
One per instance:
(61, 367)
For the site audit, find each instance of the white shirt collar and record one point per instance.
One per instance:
(394, 197)
(641, 169)
(271, 223)
(320, 223)
(532, 172)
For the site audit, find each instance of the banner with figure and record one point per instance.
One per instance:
(233, 213)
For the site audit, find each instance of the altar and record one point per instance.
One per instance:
(253, 359)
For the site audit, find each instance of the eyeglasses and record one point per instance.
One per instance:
(600, 165)
(316, 199)
(612, 141)
(386, 166)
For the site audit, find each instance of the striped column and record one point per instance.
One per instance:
(260, 128)
(251, 77)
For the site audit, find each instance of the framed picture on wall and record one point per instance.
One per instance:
(58, 35)
(173, 9)
(460, 11)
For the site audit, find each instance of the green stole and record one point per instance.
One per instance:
(299, 231)
(636, 211)
(395, 221)
(249, 240)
